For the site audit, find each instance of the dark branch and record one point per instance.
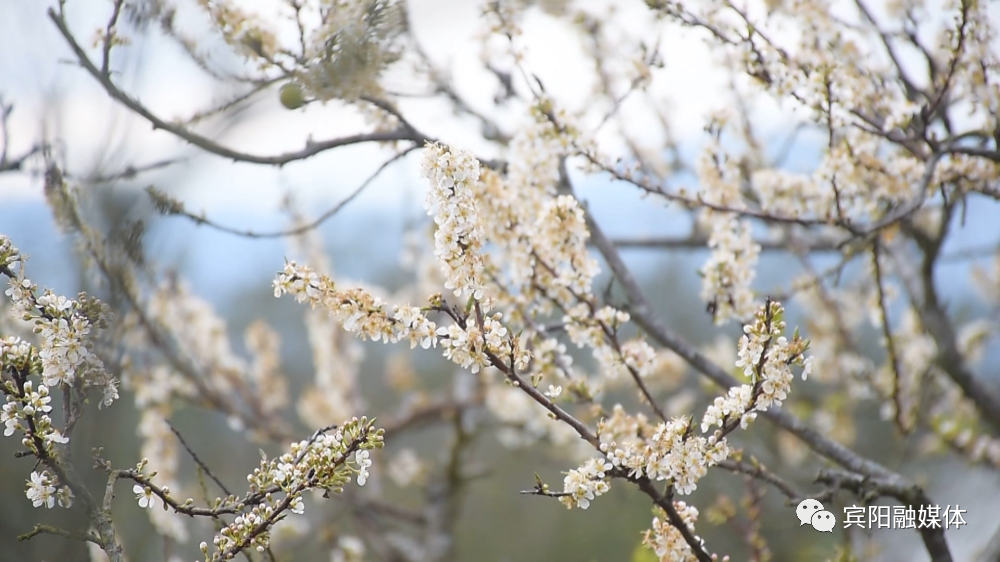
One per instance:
(402, 133)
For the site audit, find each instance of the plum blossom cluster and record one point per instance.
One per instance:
(586, 328)
(635, 355)
(18, 355)
(246, 531)
(43, 490)
(598, 329)
(357, 310)
(583, 484)
(9, 254)
(666, 540)
(328, 460)
(27, 411)
(366, 316)
(730, 269)
(459, 238)
(63, 357)
(322, 461)
(560, 238)
(537, 148)
(623, 428)
(731, 266)
(673, 453)
(65, 328)
(541, 240)
(550, 360)
(471, 347)
(766, 358)
(737, 404)
(539, 237)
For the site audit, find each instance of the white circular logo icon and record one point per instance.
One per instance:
(811, 512)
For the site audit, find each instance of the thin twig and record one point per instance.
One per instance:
(760, 472)
(890, 343)
(302, 229)
(197, 460)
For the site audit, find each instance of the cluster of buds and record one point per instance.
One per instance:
(328, 460)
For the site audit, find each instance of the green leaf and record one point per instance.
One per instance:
(643, 554)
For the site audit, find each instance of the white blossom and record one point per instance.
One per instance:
(145, 496)
(41, 491)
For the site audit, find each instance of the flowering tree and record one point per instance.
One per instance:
(905, 96)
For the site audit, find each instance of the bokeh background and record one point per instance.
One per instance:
(95, 137)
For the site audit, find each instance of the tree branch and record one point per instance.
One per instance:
(171, 206)
(402, 133)
(872, 487)
(699, 241)
(50, 530)
(935, 320)
(760, 472)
